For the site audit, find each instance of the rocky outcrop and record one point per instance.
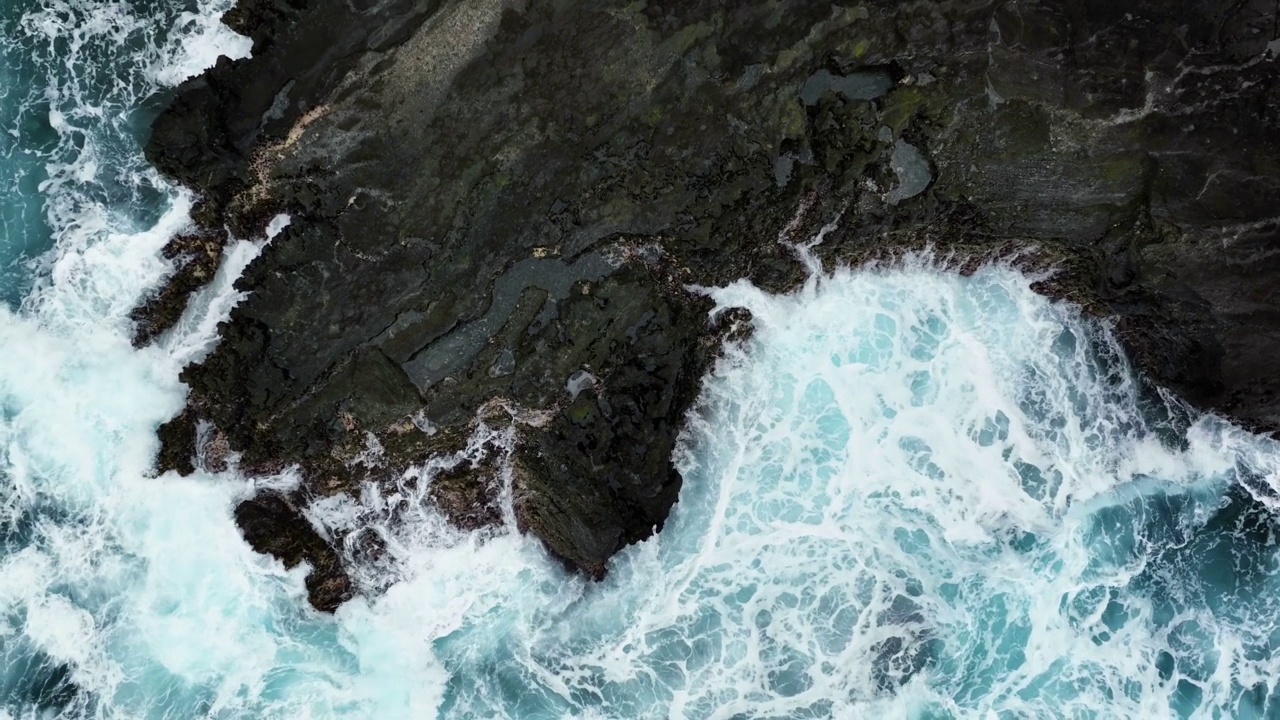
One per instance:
(271, 525)
(499, 206)
(197, 256)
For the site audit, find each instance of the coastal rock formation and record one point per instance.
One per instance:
(500, 207)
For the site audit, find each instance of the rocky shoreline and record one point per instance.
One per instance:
(498, 209)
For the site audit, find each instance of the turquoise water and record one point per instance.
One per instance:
(27, 140)
(909, 495)
(79, 85)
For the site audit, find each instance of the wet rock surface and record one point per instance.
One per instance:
(196, 256)
(494, 201)
(272, 525)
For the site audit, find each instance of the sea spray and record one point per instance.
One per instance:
(919, 495)
(909, 494)
(79, 80)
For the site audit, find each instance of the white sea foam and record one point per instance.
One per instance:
(196, 333)
(918, 459)
(96, 62)
(911, 494)
(107, 575)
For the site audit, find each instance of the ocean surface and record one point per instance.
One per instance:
(908, 495)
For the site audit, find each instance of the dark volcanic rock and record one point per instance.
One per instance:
(178, 443)
(197, 256)
(498, 207)
(271, 525)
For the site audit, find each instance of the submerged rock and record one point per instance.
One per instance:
(489, 197)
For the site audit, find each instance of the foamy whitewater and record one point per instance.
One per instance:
(908, 495)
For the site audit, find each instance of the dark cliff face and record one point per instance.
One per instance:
(498, 208)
